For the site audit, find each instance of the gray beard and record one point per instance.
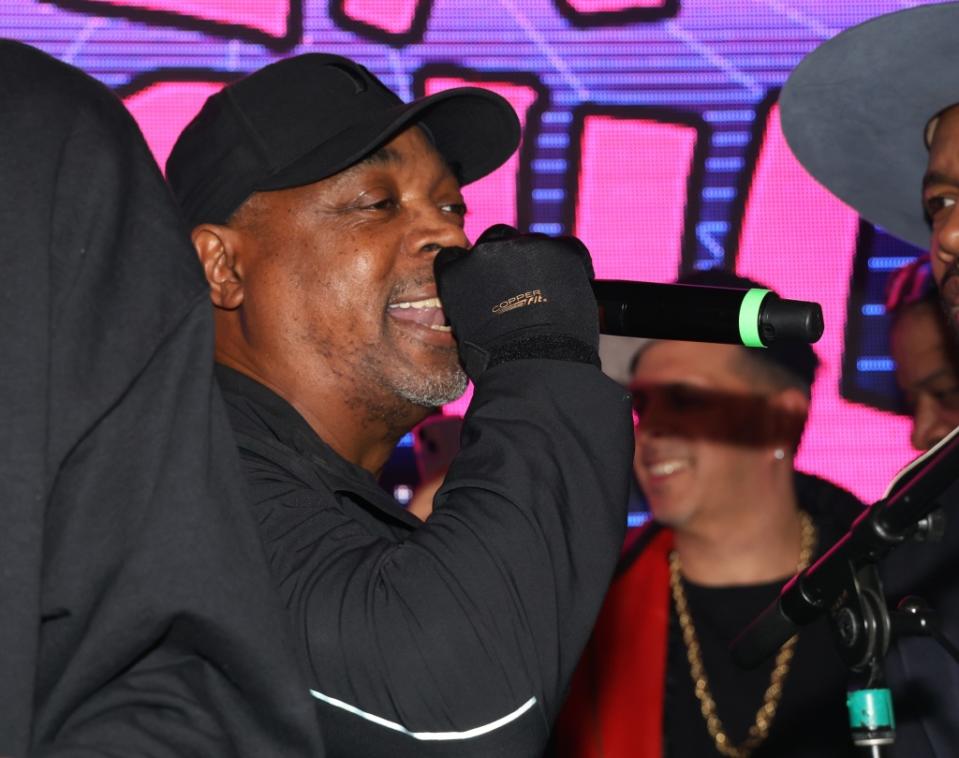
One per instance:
(434, 390)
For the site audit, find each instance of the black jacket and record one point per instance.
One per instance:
(923, 677)
(137, 617)
(457, 636)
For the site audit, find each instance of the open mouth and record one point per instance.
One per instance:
(427, 312)
(662, 469)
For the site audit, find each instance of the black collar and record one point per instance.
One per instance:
(268, 425)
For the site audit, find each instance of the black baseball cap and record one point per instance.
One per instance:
(305, 118)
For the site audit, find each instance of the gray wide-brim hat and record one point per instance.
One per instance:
(855, 112)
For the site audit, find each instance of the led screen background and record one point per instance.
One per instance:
(650, 130)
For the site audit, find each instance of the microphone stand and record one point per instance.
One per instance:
(864, 628)
(845, 583)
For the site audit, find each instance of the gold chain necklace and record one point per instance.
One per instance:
(707, 706)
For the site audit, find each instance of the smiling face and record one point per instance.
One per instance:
(940, 193)
(927, 371)
(705, 428)
(338, 281)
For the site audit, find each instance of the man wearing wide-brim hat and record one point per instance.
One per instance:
(872, 114)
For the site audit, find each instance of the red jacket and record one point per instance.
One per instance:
(615, 704)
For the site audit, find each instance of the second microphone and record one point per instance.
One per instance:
(753, 317)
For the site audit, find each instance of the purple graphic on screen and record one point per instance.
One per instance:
(394, 22)
(634, 215)
(164, 108)
(612, 12)
(275, 23)
(648, 130)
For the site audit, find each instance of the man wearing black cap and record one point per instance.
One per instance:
(718, 428)
(872, 114)
(319, 202)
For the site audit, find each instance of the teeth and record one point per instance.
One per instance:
(666, 468)
(441, 328)
(430, 302)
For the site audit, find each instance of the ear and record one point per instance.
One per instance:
(216, 247)
(790, 409)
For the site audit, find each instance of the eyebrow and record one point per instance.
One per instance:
(938, 177)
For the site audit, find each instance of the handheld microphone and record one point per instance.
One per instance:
(754, 317)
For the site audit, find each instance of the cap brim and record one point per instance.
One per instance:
(854, 112)
(475, 131)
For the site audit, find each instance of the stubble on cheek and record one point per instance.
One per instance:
(384, 383)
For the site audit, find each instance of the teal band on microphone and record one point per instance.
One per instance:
(749, 317)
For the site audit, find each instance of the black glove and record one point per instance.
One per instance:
(515, 296)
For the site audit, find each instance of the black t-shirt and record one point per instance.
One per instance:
(811, 719)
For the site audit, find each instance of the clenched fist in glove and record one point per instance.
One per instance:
(514, 296)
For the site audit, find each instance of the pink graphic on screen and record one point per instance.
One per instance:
(608, 6)
(492, 199)
(165, 108)
(393, 16)
(631, 200)
(634, 163)
(268, 16)
(800, 240)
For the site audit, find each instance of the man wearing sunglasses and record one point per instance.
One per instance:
(732, 520)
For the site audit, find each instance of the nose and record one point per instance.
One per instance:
(928, 424)
(435, 228)
(946, 236)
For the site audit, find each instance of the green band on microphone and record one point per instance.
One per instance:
(749, 317)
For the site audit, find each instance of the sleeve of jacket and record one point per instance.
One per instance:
(476, 619)
(137, 616)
